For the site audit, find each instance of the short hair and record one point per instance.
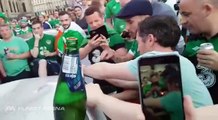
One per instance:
(173, 78)
(96, 3)
(164, 28)
(37, 22)
(91, 10)
(63, 13)
(78, 7)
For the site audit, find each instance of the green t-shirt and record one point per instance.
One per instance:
(70, 33)
(206, 75)
(54, 22)
(148, 86)
(22, 32)
(16, 29)
(128, 44)
(134, 49)
(172, 103)
(16, 46)
(45, 44)
(112, 9)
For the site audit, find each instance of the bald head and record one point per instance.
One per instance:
(199, 16)
(211, 2)
(214, 2)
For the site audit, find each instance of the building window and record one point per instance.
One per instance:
(10, 6)
(14, 7)
(2, 9)
(24, 7)
(17, 7)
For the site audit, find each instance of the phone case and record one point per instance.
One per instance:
(160, 83)
(100, 31)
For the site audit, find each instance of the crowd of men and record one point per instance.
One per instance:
(136, 28)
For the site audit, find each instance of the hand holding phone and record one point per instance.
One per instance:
(94, 42)
(100, 31)
(160, 87)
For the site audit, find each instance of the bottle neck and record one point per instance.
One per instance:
(71, 50)
(71, 47)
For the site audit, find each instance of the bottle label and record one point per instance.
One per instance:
(70, 65)
(72, 73)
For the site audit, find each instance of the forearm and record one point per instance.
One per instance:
(127, 95)
(95, 70)
(34, 52)
(23, 56)
(123, 83)
(105, 70)
(53, 54)
(118, 58)
(83, 52)
(120, 110)
(152, 102)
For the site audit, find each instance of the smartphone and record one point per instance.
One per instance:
(100, 31)
(160, 87)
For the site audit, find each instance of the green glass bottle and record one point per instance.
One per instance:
(70, 95)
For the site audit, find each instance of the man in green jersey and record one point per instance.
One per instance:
(25, 32)
(95, 20)
(55, 22)
(200, 17)
(112, 9)
(42, 50)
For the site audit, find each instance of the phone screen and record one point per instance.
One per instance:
(160, 87)
(100, 31)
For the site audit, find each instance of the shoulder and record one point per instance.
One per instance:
(49, 36)
(187, 64)
(76, 27)
(73, 33)
(31, 40)
(112, 33)
(110, 4)
(18, 39)
(73, 24)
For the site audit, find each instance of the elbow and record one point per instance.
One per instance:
(140, 117)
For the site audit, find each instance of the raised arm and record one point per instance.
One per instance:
(114, 108)
(104, 70)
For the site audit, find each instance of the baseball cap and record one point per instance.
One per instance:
(3, 16)
(162, 9)
(134, 8)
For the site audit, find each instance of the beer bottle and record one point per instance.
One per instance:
(70, 95)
